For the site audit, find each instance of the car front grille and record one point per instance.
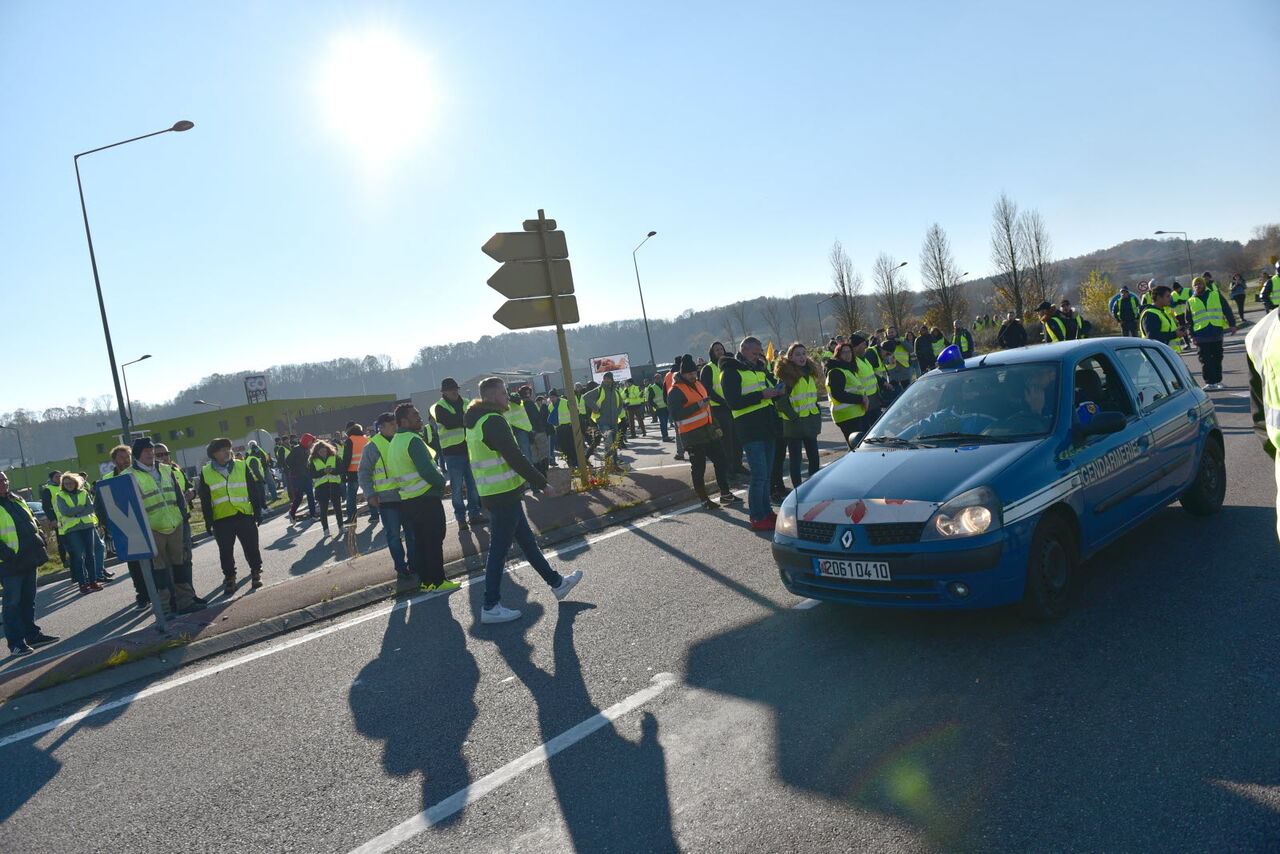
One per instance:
(817, 532)
(894, 533)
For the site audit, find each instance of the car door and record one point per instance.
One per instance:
(1109, 468)
(1171, 413)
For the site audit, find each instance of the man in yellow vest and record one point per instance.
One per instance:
(1263, 348)
(448, 413)
(164, 504)
(382, 494)
(607, 406)
(349, 465)
(231, 499)
(409, 466)
(1210, 315)
(634, 396)
(1156, 322)
(503, 473)
(749, 390)
(22, 552)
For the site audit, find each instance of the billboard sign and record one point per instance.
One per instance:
(619, 365)
(255, 388)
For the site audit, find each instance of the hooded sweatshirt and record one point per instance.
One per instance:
(498, 437)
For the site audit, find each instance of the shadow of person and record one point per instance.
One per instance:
(593, 778)
(418, 698)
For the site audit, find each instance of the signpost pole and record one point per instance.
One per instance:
(148, 577)
(565, 367)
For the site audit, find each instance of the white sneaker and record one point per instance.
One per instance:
(568, 583)
(498, 614)
(1207, 387)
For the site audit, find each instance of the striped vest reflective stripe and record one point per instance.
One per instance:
(357, 451)
(1207, 312)
(493, 474)
(803, 397)
(401, 470)
(517, 417)
(450, 436)
(716, 384)
(752, 381)
(702, 417)
(329, 469)
(860, 380)
(74, 511)
(383, 485)
(8, 529)
(159, 497)
(230, 495)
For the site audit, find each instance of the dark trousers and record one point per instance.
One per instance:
(663, 417)
(1240, 305)
(698, 456)
(1129, 328)
(20, 607)
(507, 523)
(861, 424)
(775, 470)
(1210, 355)
(635, 417)
(328, 496)
(564, 441)
(728, 441)
(810, 446)
(424, 517)
(238, 527)
(135, 575)
(350, 489)
(302, 486)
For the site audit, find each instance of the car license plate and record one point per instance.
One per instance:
(855, 570)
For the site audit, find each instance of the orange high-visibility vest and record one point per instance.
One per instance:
(702, 417)
(357, 451)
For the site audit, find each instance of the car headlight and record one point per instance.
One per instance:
(977, 511)
(786, 524)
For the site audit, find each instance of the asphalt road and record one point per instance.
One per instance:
(686, 701)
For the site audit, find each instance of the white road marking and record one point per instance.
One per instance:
(1239, 394)
(485, 785)
(298, 640)
(806, 604)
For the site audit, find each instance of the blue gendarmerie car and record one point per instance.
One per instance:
(989, 480)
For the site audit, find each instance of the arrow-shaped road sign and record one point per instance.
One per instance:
(128, 526)
(529, 313)
(520, 279)
(525, 246)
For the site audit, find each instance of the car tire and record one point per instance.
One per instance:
(1052, 561)
(1205, 495)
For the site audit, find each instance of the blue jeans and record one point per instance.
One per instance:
(759, 456)
(99, 557)
(507, 523)
(663, 416)
(352, 488)
(526, 447)
(271, 483)
(302, 486)
(80, 549)
(19, 607)
(392, 524)
(462, 486)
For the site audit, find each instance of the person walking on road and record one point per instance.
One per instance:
(73, 508)
(1239, 290)
(709, 376)
(607, 407)
(1267, 288)
(690, 406)
(382, 493)
(163, 503)
(518, 417)
(449, 412)
(410, 467)
(22, 552)
(1210, 315)
(1125, 308)
(502, 474)
(749, 392)
(634, 396)
(231, 500)
(658, 403)
(1263, 348)
(562, 417)
(297, 469)
(326, 478)
(798, 408)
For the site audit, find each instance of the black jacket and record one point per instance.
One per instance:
(296, 464)
(1012, 334)
(449, 420)
(760, 425)
(30, 553)
(498, 436)
(924, 353)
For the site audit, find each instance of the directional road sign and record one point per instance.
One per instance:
(126, 522)
(549, 225)
(525, 246)
(520, 279)
(529, 313)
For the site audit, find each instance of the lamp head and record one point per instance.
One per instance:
(651, 234)
(182, 125)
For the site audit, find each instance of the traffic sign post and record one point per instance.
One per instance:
(537, 280)
(121, 503)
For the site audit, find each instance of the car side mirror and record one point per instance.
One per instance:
(1101, 423)
(853, 440)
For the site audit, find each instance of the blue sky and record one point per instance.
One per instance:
(349, 159)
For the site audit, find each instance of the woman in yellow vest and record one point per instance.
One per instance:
(74, 509)
(850, 383)
(798, 408)
(327, 477)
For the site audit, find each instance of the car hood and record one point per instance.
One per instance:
(915, 474)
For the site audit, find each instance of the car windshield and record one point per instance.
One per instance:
(999, 403)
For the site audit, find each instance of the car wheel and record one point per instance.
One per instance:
(1205, 494)
(1051, 570)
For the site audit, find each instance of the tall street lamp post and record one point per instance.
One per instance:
(128, 401)
(126, 434)
(643, 313)
(1186, 244)
(22, 455)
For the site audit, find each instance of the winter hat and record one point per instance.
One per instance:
(141, 444)
(448, 383)
(306, 440)
(686, 364)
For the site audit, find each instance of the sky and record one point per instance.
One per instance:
(349, 159)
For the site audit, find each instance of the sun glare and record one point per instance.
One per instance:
(376, 94)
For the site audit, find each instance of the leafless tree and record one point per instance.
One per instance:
(943, 293)
(1042, 271)
(848, 290)
(741, 314)
(1007, 255)
(892, 296)
(794, 308)
(771, 310)
(731, 338)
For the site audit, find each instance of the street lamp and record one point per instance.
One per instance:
(97, 283)
(128, 401)
(643, 313)
(206, 403)
(1186, 244)
(22, 455)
